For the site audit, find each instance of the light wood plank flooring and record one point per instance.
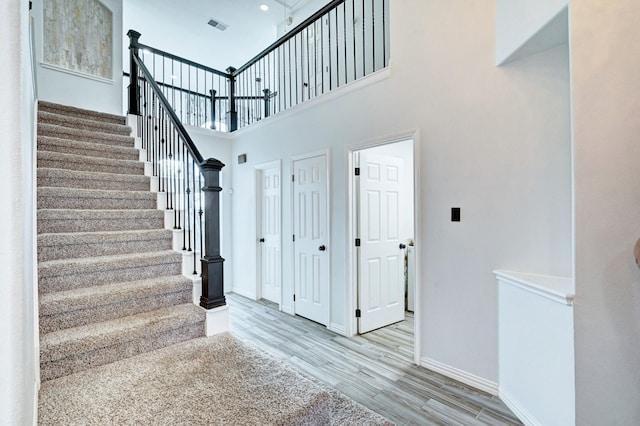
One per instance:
(375, 369)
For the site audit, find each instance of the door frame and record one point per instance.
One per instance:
(257, 170)
(292, 160)
(351, 267)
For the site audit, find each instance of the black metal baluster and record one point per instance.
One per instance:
(322, 18)
(308, 65)
(290, 77)
(353, 29)
(373, 36)
(337, 49)
(295, 58)
(200, 212)
(364, 57)
(172, 171)
(384, 35)
(195, 191)
(344, 40)
(328, 17)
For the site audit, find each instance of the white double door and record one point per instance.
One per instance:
(381, 253)
(311, 248)
(269, 232)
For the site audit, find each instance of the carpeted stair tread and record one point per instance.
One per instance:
(87, 149)
(59, 160)
(90, 244)
(66, 274)
(62, 132)
(77, 307)
(63, 178)
(77, 198)
(83, 123)
(76, 349)
(80, 113)
(85, 220)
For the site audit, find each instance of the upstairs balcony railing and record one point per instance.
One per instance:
(342, 42)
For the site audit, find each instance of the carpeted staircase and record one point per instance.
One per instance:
(110, 285)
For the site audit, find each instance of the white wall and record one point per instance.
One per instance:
(18, 391)
(82, 91)
(217, 145)
(495, 142)
(605, 55)
(519, 21)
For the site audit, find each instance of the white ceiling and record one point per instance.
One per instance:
(180, 27)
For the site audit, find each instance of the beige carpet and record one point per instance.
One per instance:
(219, 380)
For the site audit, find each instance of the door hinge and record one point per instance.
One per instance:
(294, 297)
(357, 242)
(357, 171)
(358, 313)
(293, 178)
(294, 238)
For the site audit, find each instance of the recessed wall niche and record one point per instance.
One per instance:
(78, 37)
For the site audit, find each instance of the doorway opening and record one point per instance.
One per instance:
(382, 210)
(269, 232)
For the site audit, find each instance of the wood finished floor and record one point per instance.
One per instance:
(375, 369)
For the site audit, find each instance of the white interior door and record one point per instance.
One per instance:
(381, 259)
(310, 224)
(269, 238)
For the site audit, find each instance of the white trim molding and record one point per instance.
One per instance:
(337, 328)
(517, 409)
(460, 375)
(558, 289)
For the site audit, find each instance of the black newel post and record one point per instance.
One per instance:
(267, 98)
(232, 115)
(134, 87)
(213, 109)
(212, 262)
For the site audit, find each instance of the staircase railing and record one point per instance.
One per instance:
(342, 42)
(189, 183)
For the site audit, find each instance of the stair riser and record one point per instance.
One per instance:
(83, 123)
(100, 248)
(82, 279)
(133, 185)
(85, 149)
(46, 226)
(124, 168)
(68, 319)
(52, 202)
(100, 356)
(84, 135)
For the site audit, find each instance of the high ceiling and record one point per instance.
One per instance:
(180, 27)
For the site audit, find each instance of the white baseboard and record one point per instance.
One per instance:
(460, 375)
(244, 293)
(217, 320)
(337, 328)
(522, 413)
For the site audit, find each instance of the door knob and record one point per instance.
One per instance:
(322, 248)
(262, 240)
(402, 246)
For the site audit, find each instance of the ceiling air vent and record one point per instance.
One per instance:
(215, 23)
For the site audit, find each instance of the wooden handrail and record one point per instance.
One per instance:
(193, 150)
